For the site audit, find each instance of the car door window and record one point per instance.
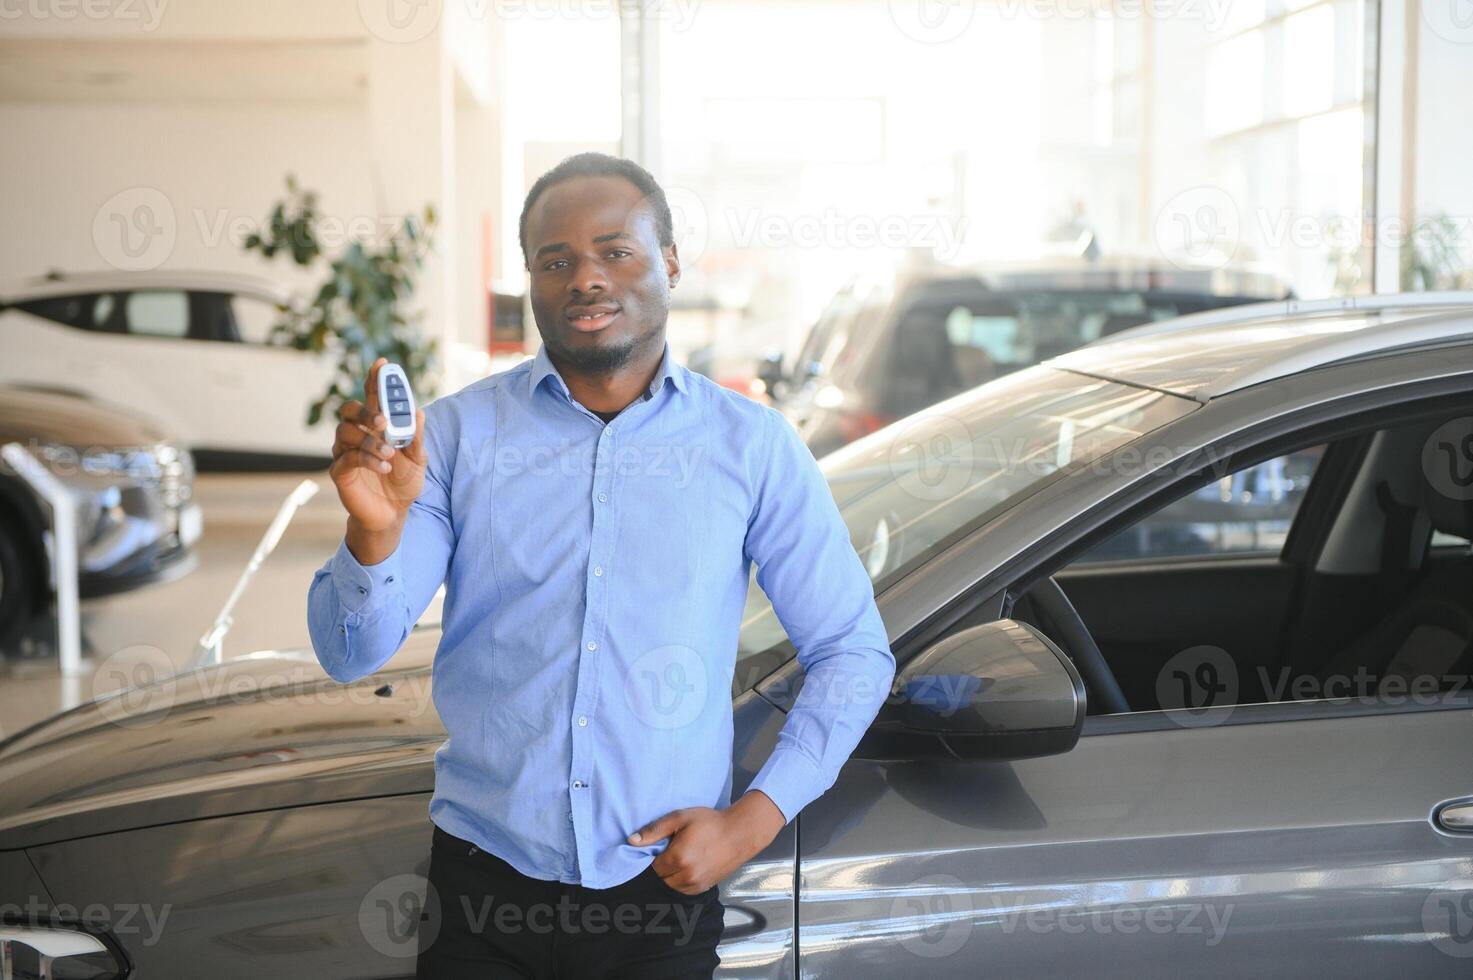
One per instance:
(254, 319)
(1358, 609)
(158, 313)
(1247, 512)
(84, 311)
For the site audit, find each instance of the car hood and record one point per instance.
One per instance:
(50, 416)
(255, 733)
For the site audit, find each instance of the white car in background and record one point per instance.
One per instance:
(188, 348)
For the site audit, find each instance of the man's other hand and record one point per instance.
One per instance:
(706, 845)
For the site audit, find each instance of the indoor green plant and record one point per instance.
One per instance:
(359, 310)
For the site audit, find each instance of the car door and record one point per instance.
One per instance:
(132, 348)
(1218, 839)
(1268, 845)
(262, 390)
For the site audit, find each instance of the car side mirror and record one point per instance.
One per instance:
(997, 691)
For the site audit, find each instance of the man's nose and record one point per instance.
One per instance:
(589, 277)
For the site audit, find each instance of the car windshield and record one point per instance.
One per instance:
(958, 340)
(907, 490)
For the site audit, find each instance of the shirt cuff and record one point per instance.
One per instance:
(790, 779)
(363, 588)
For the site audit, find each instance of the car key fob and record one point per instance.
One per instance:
(396, 402)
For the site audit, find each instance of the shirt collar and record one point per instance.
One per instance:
(542, 367)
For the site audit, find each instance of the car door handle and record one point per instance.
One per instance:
(741, 922)
(1456, 817)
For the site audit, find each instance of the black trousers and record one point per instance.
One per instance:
(485, 919)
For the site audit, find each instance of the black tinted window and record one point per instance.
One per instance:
(86, 311)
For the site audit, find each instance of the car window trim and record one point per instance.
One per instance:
(1166, 563)
(1268, 712)
(1309, 425)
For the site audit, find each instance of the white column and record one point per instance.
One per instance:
(639, 70)
(1392, 211)
(411, 123)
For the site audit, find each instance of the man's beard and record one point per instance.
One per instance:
(602, 359)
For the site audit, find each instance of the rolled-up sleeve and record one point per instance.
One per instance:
(822, 595)
(359, 615)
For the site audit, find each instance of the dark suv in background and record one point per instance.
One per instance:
(883, 350)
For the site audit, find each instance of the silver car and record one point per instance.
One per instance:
(1243, 759)
(132, 483)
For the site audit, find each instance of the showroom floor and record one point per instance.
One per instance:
(162, 623)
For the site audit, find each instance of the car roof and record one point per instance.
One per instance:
(1109, 273)
(1208, 355)
(1067, 273)
(1125, 273)
(196, 280)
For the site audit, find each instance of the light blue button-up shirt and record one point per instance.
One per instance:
(595, 579)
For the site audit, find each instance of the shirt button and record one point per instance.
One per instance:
(598, 569)
(603, 497)
(362, 590)
(582, 721)
(389, 579)
(592, 646)
(343, 629)
(577, 784)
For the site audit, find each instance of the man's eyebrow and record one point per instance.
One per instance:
(563, 246)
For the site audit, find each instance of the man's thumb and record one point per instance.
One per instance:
(657, 829)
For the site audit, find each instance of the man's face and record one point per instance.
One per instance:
(600, 278)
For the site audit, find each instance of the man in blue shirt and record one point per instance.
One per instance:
(594, 514)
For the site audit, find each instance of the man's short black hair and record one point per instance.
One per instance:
(602, 165)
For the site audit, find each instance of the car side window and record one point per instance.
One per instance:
(1364, 613)
(253, 319)
(1247, 512)
(84, 311)
(158, 313)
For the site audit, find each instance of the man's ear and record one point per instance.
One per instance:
(672, 263)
